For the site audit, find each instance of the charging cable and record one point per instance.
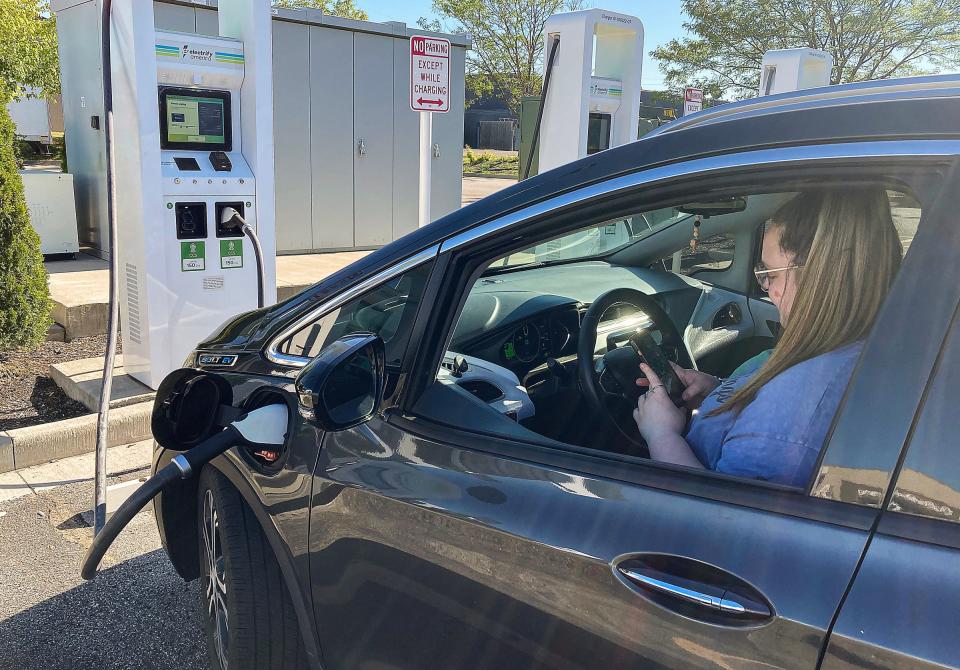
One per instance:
(262, 428)
(230, 219)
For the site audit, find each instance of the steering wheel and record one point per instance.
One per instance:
(609, 384)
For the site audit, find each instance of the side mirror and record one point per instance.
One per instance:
(343, 386)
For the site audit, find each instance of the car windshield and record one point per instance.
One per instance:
(595, 241)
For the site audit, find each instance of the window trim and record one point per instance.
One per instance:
(804, 157)
(272, 351)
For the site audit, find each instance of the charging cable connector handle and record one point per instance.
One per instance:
(230, 218)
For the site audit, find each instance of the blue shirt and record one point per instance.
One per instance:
(778, 436)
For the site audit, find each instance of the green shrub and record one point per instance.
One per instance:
(25, 298)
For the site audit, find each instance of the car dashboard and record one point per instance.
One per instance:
(521, 319)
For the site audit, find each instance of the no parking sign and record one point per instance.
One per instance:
(429, 74)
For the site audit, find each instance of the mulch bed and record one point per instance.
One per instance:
(28, 395)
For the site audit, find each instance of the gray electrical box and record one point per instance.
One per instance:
(346, 141)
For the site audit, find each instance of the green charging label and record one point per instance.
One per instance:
(192, 257)
(231, 253)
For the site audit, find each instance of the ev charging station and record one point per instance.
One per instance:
(194, 121)
(784, 70)
(593, 101)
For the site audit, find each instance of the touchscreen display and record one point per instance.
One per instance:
(195, 120)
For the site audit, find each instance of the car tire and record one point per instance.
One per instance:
(247, 612)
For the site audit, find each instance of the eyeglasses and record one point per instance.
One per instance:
(763, 275)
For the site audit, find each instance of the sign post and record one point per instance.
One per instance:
(429, 93)
(692, 100)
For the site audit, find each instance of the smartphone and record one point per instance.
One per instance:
(654, 357)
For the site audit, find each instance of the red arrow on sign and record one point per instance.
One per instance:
(421, 101)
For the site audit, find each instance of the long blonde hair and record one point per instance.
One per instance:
(850, 252)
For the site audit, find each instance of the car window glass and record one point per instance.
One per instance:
(387, 310)
(905, 211)
(713, 254)
(514, 348)
(597, 240)
(929, 481)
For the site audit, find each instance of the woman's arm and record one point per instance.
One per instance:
(673, 448)
(661, 423)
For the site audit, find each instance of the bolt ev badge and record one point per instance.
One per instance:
(216, 359)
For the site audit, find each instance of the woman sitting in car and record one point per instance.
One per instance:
(828, 260)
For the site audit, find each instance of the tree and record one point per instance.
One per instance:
(25, 298)
(28, 59)
(28, 48)
(507, 55)
(344, 8)
(869, 39)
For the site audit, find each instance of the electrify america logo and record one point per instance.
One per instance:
(196, 54)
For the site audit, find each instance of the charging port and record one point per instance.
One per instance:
(228, 232)
(191, 220)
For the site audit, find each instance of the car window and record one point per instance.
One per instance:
(905, 211)
(597, 240)
(929, 481)
(387, 310)
(713, 254)
(514, 346)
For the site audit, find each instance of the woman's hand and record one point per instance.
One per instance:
(698, 385)
(656, 415)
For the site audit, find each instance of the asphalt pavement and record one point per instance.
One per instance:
(137, 613)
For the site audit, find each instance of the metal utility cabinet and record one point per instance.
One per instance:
(346, 141)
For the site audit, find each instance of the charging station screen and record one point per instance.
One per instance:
(191, 119)
(195, 119)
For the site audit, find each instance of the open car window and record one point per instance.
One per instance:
(513, 367)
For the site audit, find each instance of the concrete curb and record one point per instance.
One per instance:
(6, 452)
(80, 320)
(49, 441)
(82, 380)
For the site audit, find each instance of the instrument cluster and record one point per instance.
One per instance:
(536, 339)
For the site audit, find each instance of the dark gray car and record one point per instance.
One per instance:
(459, 491)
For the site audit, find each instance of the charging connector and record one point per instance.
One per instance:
(228, 219)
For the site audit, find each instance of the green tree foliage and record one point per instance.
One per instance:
(344, 8)
(25, 298)
(507, 55)
(28, 59)
(28, 47)
(869, 39)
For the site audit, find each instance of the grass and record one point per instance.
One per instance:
(487, 163)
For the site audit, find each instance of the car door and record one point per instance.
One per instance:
(903, 608)
(432, 546)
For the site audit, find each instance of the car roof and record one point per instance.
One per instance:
(947, 85)
(917, 108)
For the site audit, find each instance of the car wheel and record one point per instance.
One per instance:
(247, 612)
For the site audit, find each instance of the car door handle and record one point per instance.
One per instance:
(716, 602)
(690, 586)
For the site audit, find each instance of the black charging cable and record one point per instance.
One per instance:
(181, 467)
(230, 219)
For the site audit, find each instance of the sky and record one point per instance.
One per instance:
(660, 25)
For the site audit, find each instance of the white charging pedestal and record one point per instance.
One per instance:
(193, 134)
(593, 102)
(784, 70)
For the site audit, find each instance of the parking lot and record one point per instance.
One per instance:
(136, 614)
